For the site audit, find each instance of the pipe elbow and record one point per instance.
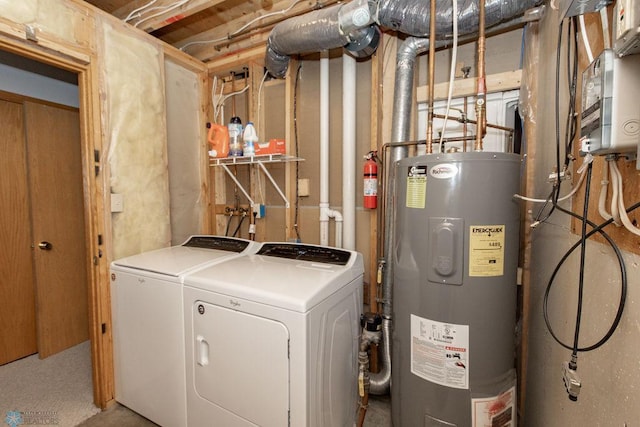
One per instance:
(380, 383)
(336, 215)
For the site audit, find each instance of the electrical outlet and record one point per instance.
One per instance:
(626, 27)
(303, 187)
(117, 202)
(259, 210)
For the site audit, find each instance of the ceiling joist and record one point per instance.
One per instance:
(210, 30)
(245, 32)
(161, 13)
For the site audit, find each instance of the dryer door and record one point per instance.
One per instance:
(242, 364)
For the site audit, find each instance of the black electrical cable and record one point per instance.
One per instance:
(572, 79)
(583, 252)
(235, 233)
(295, 137)
(570, 134)
(537, 219)
(623, 284)
(556, 185)
(226, 233)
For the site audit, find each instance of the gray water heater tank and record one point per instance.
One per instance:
(454, 294)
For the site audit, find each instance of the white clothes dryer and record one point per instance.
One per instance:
(148, 324)
(272, 338)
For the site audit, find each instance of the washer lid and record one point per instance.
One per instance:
(293, 284)
(196, 252)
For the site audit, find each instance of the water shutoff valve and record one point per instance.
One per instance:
(371, 322)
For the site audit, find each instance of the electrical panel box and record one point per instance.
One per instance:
(626, 27)
(610, 120)
(571, 8)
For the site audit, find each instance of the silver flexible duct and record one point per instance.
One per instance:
(379, 383)
(342, 25)
(412, 17)
(401, 131)
(349, 25)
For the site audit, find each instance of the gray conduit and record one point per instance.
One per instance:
(402, 102)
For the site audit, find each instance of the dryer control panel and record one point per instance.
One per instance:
(306, 253)
(217, 242)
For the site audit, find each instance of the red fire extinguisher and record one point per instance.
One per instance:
(370, 181)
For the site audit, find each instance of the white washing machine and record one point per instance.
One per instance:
(148, 323)
(272, 338)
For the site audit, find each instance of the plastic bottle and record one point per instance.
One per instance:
(250, 138)
(235, 136)
(218, 138)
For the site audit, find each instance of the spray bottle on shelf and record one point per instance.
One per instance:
(250, 138)
(235, 136)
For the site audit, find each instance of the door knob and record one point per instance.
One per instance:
(45, 246)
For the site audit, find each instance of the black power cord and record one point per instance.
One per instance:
(623, 285)
(572, 382)
(295, 136)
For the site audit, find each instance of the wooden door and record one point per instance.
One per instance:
(17, 316)
(57, 212)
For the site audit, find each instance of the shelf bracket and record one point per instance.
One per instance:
(233, 177)
(275, 185)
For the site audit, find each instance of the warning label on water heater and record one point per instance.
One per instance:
(486, 250)
(440, 352)
(498, 411)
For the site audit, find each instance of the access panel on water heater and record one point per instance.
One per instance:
(445, 250)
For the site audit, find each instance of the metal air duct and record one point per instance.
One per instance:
(350, 25)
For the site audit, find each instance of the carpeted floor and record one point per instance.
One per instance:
(117, 416)
(378, 415)
(57, 390)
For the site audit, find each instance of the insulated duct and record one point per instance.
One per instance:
(350, 25)
(412, 16)
(343, 25)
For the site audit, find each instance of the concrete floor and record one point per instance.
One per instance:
(378, 415)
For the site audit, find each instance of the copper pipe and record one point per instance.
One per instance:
(363, 410)
(473, 122)
(464, 125)
(465, 75)
(432, 77)
(482, 85)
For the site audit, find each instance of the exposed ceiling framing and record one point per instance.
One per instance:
(213, 31)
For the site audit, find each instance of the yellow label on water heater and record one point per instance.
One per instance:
(486, 250)
(416, 187)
